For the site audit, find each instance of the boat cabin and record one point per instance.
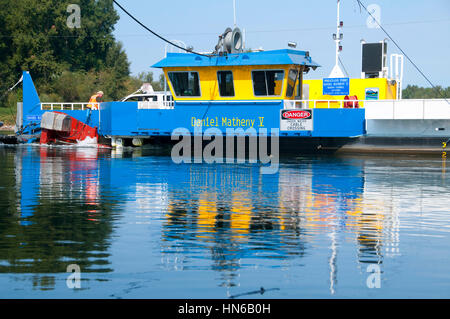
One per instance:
(266, 75)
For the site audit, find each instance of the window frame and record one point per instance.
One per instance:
(167, 98)
(295, 82)
(218, 83)
(282, 83)
(185, 96)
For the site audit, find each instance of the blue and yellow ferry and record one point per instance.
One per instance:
(249, 93)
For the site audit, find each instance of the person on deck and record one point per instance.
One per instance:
(94, 100)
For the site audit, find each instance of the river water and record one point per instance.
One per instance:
(137, 225)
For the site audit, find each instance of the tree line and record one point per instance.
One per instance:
(417, 92)
(67, 62)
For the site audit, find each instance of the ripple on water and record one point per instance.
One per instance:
(317, 223)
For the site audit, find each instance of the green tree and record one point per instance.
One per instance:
(416, 92)
(36, 37)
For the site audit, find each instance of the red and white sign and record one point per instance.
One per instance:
(296, 114)
(296, 120)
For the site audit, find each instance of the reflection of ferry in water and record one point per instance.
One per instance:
(229, 214)
(278, 218)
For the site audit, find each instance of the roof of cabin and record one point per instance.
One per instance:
(275, 57)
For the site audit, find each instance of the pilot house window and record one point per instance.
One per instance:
(292, 79)
(267, 83)
(226, 86)
(185, 83)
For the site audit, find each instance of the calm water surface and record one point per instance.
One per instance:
(140, 226)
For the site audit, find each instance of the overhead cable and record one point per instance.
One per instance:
(156, 34)
(393, 41)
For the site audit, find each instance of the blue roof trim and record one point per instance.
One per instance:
(275, 57)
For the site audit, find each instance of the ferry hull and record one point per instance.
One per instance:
(286, 145)
(398, 145)
(405, 126)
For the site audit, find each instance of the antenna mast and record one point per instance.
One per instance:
(337, 37)
(234, 12)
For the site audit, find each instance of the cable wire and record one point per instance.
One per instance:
(155, 34)
(393, 41)
(4, 94)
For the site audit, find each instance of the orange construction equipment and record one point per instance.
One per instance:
(60, 128)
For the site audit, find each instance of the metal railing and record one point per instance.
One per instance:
(408, 109)
(309, 104)
(146, 105)
(67, 106)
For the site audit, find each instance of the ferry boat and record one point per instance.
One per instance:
(260, 94)
(227, 93)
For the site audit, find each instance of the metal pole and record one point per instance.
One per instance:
(234, 12)
(165, 81)
(99, 119)
(337, 33)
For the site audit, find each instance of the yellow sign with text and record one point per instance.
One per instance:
(227, 122)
